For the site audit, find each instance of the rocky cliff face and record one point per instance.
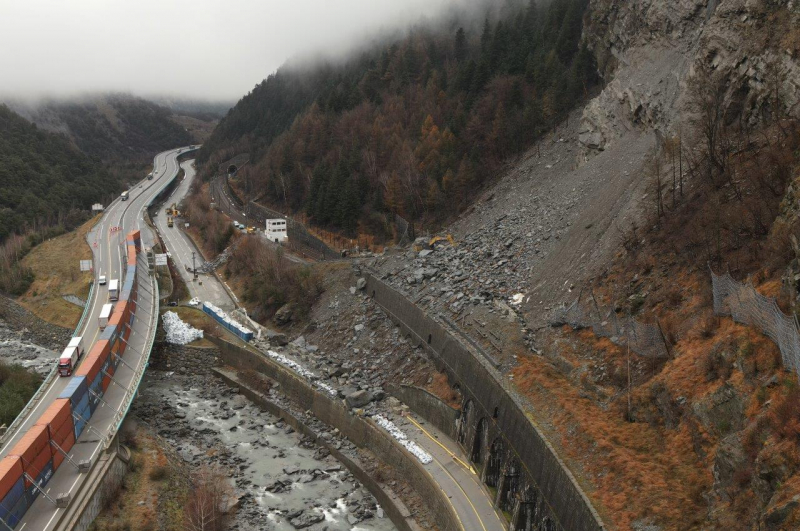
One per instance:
(648, 50)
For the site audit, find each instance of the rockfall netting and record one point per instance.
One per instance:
(747, 306)
(642, 338)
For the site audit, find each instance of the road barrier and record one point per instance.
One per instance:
(222, 318)
(35, 458)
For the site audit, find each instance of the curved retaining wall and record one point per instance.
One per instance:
(533, 485)
(398, 513)
(429, 407)
(360, 431)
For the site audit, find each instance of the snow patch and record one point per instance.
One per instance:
(302, 371)
(423, 456)
(178, 332)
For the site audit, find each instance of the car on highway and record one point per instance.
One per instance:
(102, 280)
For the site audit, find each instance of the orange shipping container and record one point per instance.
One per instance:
(56, 415)
(31, 445)
(63, 432)
(39, 463)
(66, 445)
(90, 366)
(10, 472)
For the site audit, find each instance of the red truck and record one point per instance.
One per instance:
(70, 357)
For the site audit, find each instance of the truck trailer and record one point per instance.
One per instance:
(113, 289)
(68, 361)
(105, 315)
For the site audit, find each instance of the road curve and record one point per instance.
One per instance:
(106, 239)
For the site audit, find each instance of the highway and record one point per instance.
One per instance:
(107, 240)
(450, 468)
(180, 248)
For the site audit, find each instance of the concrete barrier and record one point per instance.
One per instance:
(359, 430)
(533, 484)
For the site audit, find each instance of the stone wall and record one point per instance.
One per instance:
(360, 431)
(429, 407)
(533, 485)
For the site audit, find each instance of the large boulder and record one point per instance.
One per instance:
(358, 399)
(284, 314)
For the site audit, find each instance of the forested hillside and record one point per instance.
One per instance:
(44, 178)
(413, 127)
(115, 128)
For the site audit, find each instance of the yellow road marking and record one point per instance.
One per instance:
(466, 496)
(455, 458)
(446, 449)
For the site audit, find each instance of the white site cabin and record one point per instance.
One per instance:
(276, 230)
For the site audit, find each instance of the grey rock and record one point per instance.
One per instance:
(358, 399)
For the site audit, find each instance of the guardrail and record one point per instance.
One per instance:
(23, 414)
(130, 393)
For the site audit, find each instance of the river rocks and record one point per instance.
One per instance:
(361, 283)
(306, 519)
(275, 471)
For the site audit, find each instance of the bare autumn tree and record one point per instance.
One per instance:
(208, 501)
(655, 168)
(707, 89)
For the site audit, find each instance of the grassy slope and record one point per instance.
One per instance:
(56, 266)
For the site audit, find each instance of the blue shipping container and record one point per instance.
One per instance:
(96, 391)
(14, 514)
(12, 497)
(80, 417)
(41, 480)
(75, 390)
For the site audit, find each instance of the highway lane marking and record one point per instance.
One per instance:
(431, 437)
(466, 496)
(468, 467)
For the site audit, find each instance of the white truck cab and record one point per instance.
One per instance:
(102, 280)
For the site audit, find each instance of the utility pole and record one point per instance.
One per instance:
(194, 269)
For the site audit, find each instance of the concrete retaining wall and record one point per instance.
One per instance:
(106, 482)
(429, 407)
(360, 431)
(533, 485)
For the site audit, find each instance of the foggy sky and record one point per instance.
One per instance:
(217, 49)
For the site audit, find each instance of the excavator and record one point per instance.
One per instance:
(437, 239)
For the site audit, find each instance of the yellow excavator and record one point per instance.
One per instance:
(437, 239)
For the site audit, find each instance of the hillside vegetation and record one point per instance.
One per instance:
(119, 128)
(44, 179)
(413, 127)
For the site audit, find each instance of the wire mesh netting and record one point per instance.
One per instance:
(747, 306)
(642, 338)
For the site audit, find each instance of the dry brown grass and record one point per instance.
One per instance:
(56, 266)
(148, 481)
(441, 388)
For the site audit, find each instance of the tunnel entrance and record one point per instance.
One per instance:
(232, 169)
